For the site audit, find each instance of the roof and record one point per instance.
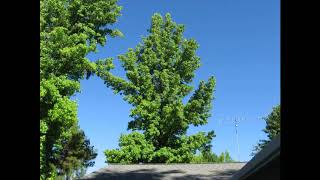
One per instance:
(265, 164)
(217, 171)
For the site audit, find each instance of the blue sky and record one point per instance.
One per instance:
(239, 45)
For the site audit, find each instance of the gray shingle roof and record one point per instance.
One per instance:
(219, 171)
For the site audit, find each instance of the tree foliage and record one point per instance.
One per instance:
(211, 157)
(272, 128)
(135, 148)
(158, 75)
(76, 154)
(227, 157)
(69, 30)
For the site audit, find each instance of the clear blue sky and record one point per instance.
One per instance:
(239, 45)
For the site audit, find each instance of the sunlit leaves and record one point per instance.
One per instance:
(69, 30)
(158, 72)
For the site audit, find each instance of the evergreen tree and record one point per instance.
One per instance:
(75, 156)
(221, 158)
(158, 76)
(228, 157)
(211, 157)
(272, 128)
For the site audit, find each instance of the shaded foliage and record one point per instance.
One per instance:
(75, 156)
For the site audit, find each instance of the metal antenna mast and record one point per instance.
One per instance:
(236, 123)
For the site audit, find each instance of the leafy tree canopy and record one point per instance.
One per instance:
(158, 75)
(69, 30)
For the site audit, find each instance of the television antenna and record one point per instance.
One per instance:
(236, 124)
(233, 122)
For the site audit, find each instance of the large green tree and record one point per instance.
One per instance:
(158, 76)
(69, 30)
(272, 129)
